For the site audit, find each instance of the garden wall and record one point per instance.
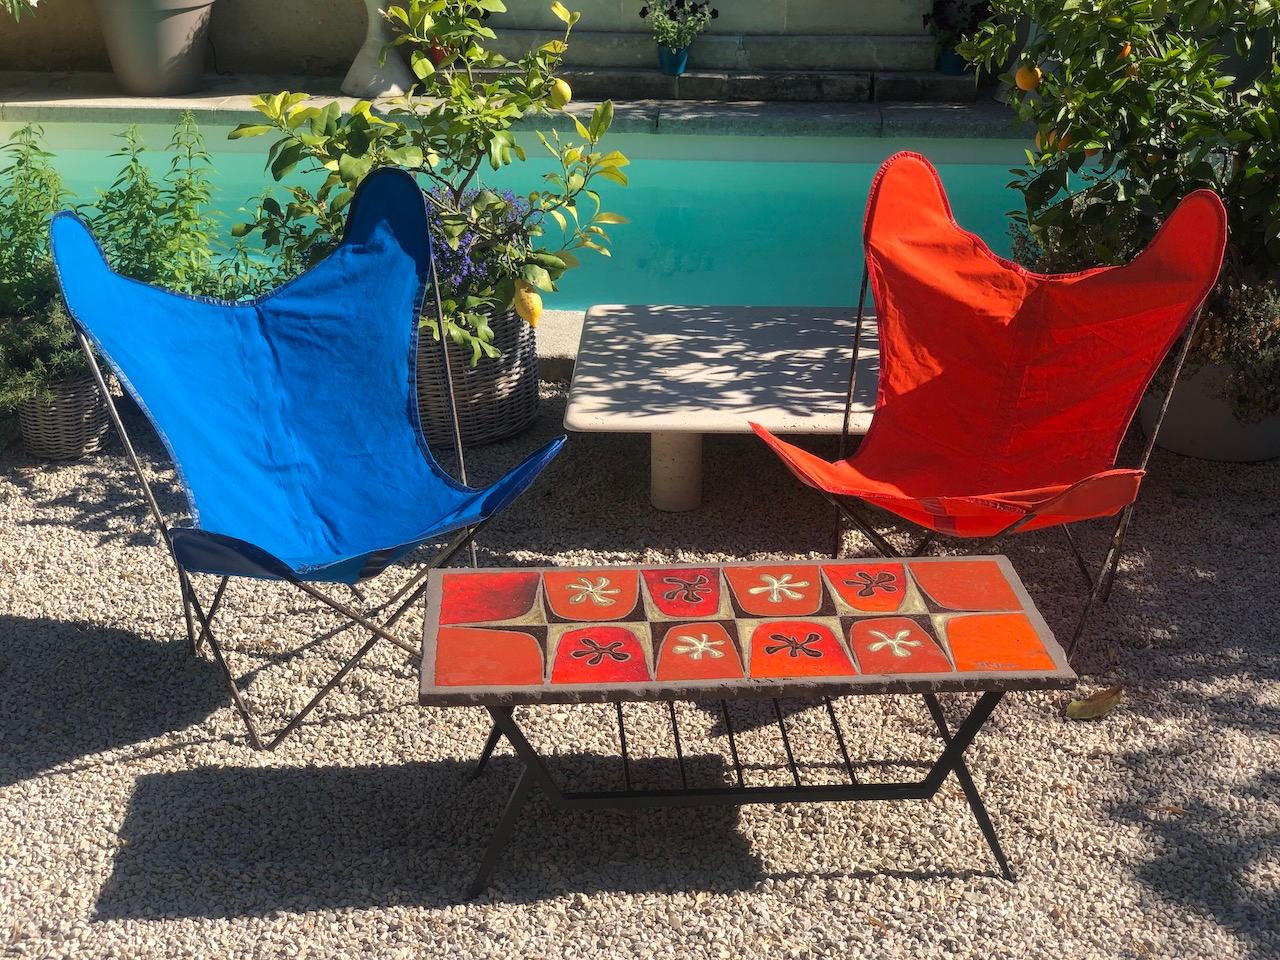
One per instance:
(319, 37)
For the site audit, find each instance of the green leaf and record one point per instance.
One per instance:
(610, 218)
(1097, 705)
(601, 120)
(560, 11)
(249, 130)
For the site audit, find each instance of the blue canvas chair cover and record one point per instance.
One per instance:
(292, 419)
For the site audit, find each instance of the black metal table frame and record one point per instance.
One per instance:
(535, 773)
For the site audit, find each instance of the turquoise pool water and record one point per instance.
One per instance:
(741, 220)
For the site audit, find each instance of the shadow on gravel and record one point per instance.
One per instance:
(1206, 862)
(69, 689)
(234, 841)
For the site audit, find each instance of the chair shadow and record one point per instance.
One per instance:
(241, 841)
(70, 689)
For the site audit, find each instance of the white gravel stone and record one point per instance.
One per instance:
(136, 823)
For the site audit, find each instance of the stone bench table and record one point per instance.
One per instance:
(679, 372)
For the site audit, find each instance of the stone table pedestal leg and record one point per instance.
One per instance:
(675, 471)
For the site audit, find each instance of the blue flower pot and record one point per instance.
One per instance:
(951, 63)
(673, 62)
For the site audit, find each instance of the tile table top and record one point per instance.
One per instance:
(794, 628)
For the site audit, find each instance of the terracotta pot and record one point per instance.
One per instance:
(1201, 423)
(157, 47)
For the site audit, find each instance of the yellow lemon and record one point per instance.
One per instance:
(528, 304)
(561, 93)
(1028, 77)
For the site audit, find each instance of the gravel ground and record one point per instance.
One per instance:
(134, 821)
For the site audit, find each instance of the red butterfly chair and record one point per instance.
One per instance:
(1004, 394)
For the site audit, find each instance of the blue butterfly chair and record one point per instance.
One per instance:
(292, 419)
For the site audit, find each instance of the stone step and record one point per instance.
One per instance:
(737, 16)
(740, 52)
(829, 86)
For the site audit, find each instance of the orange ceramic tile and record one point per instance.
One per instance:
(485, 597)
(868, 587)
(797, 648)
(966, 584)
(698, 651)
(996, 642)
(776, 591)
(605, 594)
(895, 645)
(472, 657)
(602, 654)
(684, 592)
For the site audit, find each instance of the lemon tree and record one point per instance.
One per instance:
(456, 123)
(1135, 103)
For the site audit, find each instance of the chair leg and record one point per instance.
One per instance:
(885, 548)
(377, 631)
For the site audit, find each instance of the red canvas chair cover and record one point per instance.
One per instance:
(1004, 392)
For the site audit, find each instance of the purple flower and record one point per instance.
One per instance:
(473, 266)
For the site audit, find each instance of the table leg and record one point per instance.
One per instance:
(675, 471)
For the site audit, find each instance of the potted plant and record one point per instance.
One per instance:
(950, 21)
(496, 251)
(676, 24)
(43, 374)
(1132, 111)
(157, 47)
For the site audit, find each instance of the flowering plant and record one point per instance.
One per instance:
(17, 8)
(457, 121)
(677, 23)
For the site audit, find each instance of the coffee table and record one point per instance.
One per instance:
(678, 373)
(807, 629)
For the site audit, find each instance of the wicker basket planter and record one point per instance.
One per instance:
(73, 425)
(497, 398)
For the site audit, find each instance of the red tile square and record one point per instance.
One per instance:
(698, 651)
(868, 587)
(472, 657)
(687, 592)
(605, 594)
(892, 645)
(797, 648)
(601, 654)
(776, 591)
(484, 597)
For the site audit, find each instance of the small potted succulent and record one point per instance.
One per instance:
(43, 375)
(676, 24)
(950, 21)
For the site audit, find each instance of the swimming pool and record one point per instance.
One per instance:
(714, 219)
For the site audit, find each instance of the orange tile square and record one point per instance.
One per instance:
(592, 595)
(776, 591)
(996, 642)
(966, 584)
(798, 648)
(472, 657)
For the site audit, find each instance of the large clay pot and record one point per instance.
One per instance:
(157, 47)
(371, 75)
(1200, 422)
